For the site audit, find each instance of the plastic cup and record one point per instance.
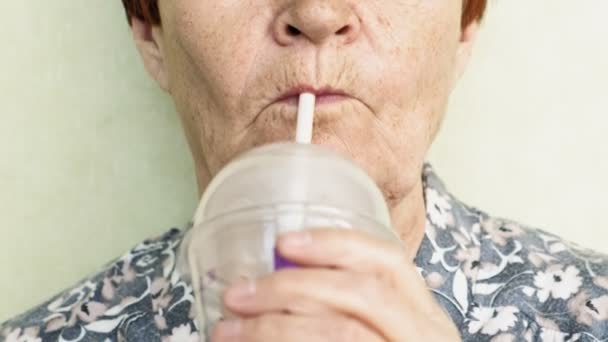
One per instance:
(262, 194)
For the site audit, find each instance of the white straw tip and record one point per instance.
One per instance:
(306, 111)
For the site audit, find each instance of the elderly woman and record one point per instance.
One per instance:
(382, 72)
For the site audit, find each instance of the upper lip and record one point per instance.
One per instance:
(303, 88)
(317, 91)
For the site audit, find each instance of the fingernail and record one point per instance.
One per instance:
(227, 329)
(240, 292)
(296, 239)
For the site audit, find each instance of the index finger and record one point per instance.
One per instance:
(345, 249)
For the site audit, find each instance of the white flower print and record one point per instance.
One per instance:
(470, 260)
(550, 331)
(438, 209)
(587, 309)
(548, 335)
(503, 338)
(183, 333)
(539, 259)
(552, 336)
(491, 321)
(16, 336)
(161, 294)
(577, 306)
(434, 280)
(557, 283)
(501, 231)
(601, 282)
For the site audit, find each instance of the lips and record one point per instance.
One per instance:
(325, 95)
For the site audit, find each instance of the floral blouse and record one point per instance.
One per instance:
(498, 280)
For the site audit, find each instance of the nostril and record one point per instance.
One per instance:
(293, 31)
(343, 30)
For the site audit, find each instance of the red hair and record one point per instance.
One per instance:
(473, 10)
(147, 10)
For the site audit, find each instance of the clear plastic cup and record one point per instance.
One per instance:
(262, 194)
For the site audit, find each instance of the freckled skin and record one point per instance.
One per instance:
(228, 60)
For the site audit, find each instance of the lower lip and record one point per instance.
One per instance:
(319, 101)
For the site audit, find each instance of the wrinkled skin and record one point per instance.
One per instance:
(390, 67)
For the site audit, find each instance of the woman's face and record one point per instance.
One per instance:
(386, 68)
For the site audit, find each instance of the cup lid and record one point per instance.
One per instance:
(292, 174)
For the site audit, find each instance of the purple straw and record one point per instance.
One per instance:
(280, 262)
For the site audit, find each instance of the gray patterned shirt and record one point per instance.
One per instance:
(498, 280)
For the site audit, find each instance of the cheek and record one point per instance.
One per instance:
(215, 48)
(415, 86)
(422, 67)
(209, 63)
(419, 43)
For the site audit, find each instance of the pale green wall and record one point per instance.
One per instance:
(93, 159)
(526, 136)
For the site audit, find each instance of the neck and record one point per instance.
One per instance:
(409, 220)
(203, 176)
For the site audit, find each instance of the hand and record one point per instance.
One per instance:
(350, 287)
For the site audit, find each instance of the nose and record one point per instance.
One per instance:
(317, 21)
